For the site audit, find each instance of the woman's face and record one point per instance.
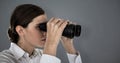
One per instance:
(33, 35)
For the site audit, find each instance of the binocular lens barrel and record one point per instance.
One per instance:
(70, 30)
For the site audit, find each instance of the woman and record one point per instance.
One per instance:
(26, 38)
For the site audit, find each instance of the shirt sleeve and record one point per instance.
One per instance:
(45, 58)
(74, 58)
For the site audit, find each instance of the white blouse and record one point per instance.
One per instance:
(38, 57)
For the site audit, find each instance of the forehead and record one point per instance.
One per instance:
(39, 19)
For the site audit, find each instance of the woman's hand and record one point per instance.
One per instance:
(55, 28)
(68, 44)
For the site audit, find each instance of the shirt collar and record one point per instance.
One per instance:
(16, 50)
(19, 52)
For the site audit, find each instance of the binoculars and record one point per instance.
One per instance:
(70, 31)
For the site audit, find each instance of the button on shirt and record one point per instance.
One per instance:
(39, 57)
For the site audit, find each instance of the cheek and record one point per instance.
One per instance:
(35, 35)
(36, 39)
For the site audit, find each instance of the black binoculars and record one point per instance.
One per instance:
(70, 30)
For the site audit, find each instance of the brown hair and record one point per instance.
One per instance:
(22, 15)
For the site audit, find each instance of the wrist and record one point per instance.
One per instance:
(50, 48)
(71, 51)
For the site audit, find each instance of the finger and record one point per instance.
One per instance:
(69, 22)
(54, 21)
(49, 24)
(57, 20)
(62, 21)
(53, 18)
(63, 25)
(59, 23)
(50, 21)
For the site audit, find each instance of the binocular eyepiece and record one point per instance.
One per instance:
(70, 30)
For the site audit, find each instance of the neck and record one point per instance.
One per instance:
(26, 47)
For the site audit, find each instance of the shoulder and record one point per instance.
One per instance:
(7, 57)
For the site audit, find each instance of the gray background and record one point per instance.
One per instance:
(100, 20)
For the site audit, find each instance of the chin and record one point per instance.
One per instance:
(40, 46)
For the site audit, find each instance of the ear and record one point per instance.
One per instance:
(19, 30)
